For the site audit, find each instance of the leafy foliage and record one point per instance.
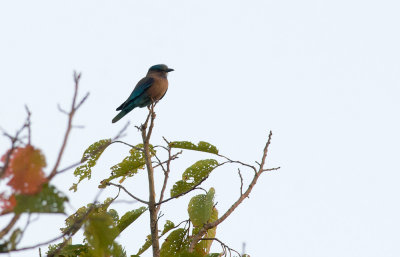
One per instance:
(174, 244)
(83, 250)
(117, 250)
(200, 208)
(177, 245)
(25, 170)
(130, 165)
(89, 159)
(102, 226)
(75, 221)
(49, 200)
(129, 217)
(203, 247)
(193, 175)
(69, 250)
(100, 232)
(12, 242)
(145, 246)
(201, 146)
(167, 227)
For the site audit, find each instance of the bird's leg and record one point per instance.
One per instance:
(152, 105)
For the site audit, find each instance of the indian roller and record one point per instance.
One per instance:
(149, 89)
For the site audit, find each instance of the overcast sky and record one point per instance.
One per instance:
(322, 75)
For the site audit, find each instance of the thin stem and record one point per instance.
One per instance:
(74, 108)
(150, 174)
(184, 193)
(11, 224)
(126, 191)
(243, 196)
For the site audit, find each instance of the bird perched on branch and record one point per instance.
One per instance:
(149, 89)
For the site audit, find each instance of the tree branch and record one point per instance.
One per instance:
(166, 176)
(10, 225)
(257, 174)
(184, 193)
(146, 134)
(71, 113)
(224, 246)
(126, 191)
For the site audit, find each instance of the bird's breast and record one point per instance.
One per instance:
(158, 89)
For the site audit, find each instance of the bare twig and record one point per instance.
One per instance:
(241, 182)
(228, 160)
(271, 169)
(224, 246)
(60, 109)
(114, 140)
(28, 123)
(173, 157)
(122, 131)
(71, 113)
(131, 146)
(14, 140)
(10, 225)
(166, 176)
(126, 191)
(257, 174)
(184, 193)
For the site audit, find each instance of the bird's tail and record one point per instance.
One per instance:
(119, 116)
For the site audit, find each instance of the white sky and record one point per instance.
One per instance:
(322, 75)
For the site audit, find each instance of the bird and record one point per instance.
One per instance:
(148, 90)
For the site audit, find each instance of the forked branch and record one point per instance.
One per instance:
(257, 174)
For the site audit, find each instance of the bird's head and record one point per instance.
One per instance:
(160, 69)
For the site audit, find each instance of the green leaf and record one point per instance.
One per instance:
(200, 208)
(114, 215)
(167, 227)
(68, 250)
(117, 250)
(129, 217)
(130, 165)
(199, 170)
(181, 187)
(74, 222)
(145, 246)
(201, 146)
(100, 233)
(48, 200)
(174, 244)
(193, 175)
(203, 246)
(14, 238)
(214, 255)
(89, 159)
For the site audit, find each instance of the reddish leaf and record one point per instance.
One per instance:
(25, 170)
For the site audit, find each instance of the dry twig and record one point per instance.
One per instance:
(257, 174)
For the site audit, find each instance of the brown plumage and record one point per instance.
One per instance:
(151, 88)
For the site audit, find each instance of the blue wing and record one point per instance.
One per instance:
(138, 91)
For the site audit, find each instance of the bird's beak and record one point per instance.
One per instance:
(168, 70)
